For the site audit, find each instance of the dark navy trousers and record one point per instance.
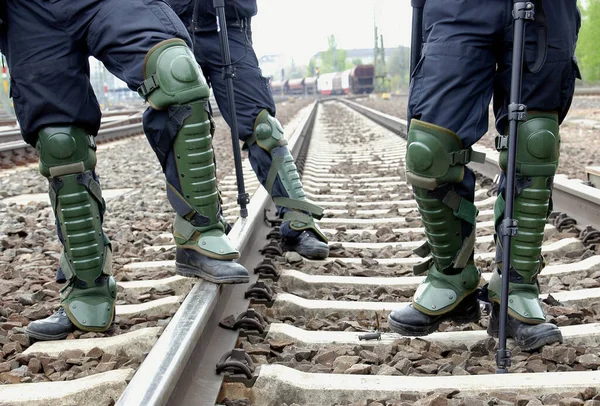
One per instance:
(467, 58)
(48, 42)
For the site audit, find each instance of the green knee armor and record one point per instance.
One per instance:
(538, 146)
(174, 79)
(67, 159)
(268, 134)
(435, 161)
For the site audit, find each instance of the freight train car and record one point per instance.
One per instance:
(357, 80)
(362, 79)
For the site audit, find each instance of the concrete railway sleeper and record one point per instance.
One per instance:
(318, 333)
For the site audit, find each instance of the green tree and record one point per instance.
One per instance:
(398, 67)
(311, 69)
(357, 61)
(334, 59)
(588, 51)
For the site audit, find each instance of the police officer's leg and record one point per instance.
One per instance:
(50, 86)
(177, 125)
(263, 136)
(450, 93)
(548, 95)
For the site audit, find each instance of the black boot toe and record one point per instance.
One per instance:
(528, 337)
(309, 246)
(409, 321)
(55, 327)
(193, 264)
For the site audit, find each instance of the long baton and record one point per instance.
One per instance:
(416, 40)
(522, 11)
(229, 73)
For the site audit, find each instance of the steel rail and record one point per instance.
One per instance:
(126, 127)
(579, 201)
(155, 380)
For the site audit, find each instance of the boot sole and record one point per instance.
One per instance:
(417, 331)
(185, 270)
(46, 337)
(318, 255)
(533, 343)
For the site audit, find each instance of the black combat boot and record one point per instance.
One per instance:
(191, 263)
(528, 337)
(409, 321)
(308, 245)
(55, 327)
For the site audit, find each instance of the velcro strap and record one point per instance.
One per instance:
(422, 267)
(297, 216)
(423, 250)
(69, 169)
(464, 255)
(107, 266)
(462, 208)
(501, 142)
(249, 142)
(66, 266)
(464, 156)
(273, 170)
(148, 86)
(96, 191)
(183, 227)
(313, 209)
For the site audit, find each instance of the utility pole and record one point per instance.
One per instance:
(381, 79)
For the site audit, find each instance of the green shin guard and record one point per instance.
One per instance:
(67, 159)
(537, 160)
(268, 134)
(174, 79)
(435, 161)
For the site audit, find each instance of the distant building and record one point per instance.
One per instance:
(272, 65)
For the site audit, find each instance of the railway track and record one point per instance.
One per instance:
(323, 339)
(120, 124)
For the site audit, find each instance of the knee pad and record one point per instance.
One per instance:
(538, 146)
(268, 132)
(65, 151)
(434, 156)
(172, 76)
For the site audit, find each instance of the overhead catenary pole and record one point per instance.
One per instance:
(229, 74)
(517, 112)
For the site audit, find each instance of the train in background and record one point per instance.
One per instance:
(358, 80)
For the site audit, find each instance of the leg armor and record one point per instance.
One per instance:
(435, 161)
(174, 82)
(67, 159)
(268, 135)
(537, 160)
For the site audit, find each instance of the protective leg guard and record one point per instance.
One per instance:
(67, 159)
(537, 160)
(174, 81)
(435, 162)
(300, 214)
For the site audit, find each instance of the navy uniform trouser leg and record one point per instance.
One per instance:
(467, 59)
(48, 45)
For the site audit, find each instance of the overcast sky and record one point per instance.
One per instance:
(300, 28)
